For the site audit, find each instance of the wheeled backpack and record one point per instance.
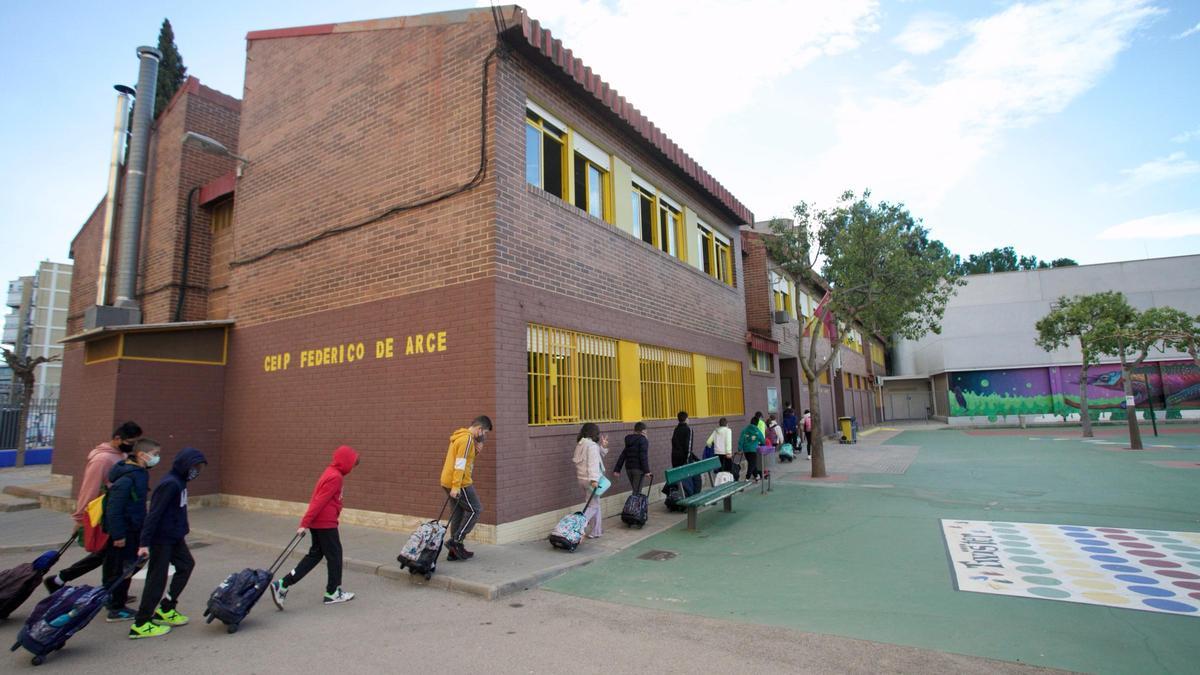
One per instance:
(637, 506)
(424, 546)
(18, 583)
(569, 531)
(231, 601)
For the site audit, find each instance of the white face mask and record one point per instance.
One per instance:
(152, 461)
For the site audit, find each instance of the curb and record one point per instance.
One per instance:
(17, 548)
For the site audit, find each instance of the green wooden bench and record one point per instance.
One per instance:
(705, 497)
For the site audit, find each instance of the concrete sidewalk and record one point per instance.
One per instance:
(496, 570)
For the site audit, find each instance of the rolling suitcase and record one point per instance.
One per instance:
(235, 597)
(787, 453)
(18, 583)
(569, 531)
(64, 613)
(637, 505)
(421, 551)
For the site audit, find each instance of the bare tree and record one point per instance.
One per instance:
(24, 368)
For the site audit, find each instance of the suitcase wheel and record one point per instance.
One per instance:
(232, 628)
(427, 576)
(38, 660)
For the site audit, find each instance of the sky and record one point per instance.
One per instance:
(1063, 129)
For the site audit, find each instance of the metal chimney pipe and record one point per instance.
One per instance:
(135, 176)
(110, 201)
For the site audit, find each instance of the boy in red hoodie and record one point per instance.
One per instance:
(321, 520)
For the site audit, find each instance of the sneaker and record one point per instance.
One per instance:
(169, 618)
(457, 552)
(119, 615)
(52, 584)
(338, 596)
(278, 593)
(146, 630)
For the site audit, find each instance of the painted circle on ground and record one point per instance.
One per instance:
(1151, 533)
(1194, 595)
(1177, 574)
(994, 524)
(1170, 605)
(1020, 551)
(1012, 537)
(1072, 563)
(1190, 585)
(1189, 556)
(1122, 568)
(1182, 548)
(1091, 542)
(1108, 559)
(1084, 574)
(1072, 528)
(1034, 569)
(1095, 584)
(1146, 554)
(1161, 563)
(1107, 598)
(1043, 592)
(1100, 549)
(1135, 544)
(1195, 564)
(1079, 535)
(1136, 579)
(1165, 540)
(1006, 530)
(1113, 530)
(1155, 591)
(1042, 581)
(1028, 560)
(1120, 537)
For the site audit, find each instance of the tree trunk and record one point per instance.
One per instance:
(1135, 434)
(1084, 417)
(22, 423)
(817, 449)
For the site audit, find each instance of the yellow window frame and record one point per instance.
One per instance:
(667, 381)
(545, 128)
(572, 377)
(724, 387)
(606, 196)
(760, 361)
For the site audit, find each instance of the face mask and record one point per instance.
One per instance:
(193, 473)
(152, 461)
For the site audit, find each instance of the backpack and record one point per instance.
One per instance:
(748, 441)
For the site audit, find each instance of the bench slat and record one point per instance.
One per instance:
(715, 494)
(694, 469)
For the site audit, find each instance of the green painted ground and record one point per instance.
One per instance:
(871, 563)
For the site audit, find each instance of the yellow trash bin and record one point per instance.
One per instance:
(847, 430)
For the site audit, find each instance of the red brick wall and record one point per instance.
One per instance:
(760, 302)
(86, 409)
(340, 127)
(280, 428)
(85, 258)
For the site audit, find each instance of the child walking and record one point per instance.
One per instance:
(163, 539)
(321, 520)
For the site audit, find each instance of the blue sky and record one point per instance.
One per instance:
(1060, 128)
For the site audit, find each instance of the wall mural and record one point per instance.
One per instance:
(1170, 386)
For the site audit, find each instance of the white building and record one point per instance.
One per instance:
(38, 320)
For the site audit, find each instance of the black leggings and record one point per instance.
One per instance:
(752, 470)
(162, 556)
(325, 544)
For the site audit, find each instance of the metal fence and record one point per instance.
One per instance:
(40, 431)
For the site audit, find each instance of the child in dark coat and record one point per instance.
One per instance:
(163, 538)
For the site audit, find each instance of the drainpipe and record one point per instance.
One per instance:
(135, 177)
(110, 201)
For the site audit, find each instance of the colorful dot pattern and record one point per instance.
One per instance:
(1149, 570)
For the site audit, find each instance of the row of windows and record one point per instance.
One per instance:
(851, 381)
(567, 165)
(576, 377)
(782, 292)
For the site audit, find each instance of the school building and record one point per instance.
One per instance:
(430, 218)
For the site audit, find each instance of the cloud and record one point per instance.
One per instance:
(1020, 66)
(1162, 226)
(1189, 32)
(687, 63)
(1160, 170)
(927, 34)
(1186, 136)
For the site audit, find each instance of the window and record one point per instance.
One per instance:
(573, 377)
(670, 223)
(668, 382)
(724, 387)
(782, 292)
(761, 362)
(643, 214)
(222, 215)
(593, 182)
(715, 255)
(545, 153)
(852, 338)
(877, 353)
(824, 377)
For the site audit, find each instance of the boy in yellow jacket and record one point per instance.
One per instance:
(456, 479)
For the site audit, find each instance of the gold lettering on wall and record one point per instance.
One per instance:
(352, 352)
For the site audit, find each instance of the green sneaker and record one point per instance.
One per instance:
(169, 618)
(146, 630)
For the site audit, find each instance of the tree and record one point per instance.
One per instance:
(1006, 260)
(171, 71)
(23, 368)
(1083, 317)
(1179, 330)
(882, 272)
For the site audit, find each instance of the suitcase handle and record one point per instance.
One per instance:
(287, 551)
(444, 505)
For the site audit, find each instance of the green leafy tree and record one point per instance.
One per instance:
(171, 71)
(1084, 318)
(23, 368)
(1179, 330)
(883, 273)
(1006, 260)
